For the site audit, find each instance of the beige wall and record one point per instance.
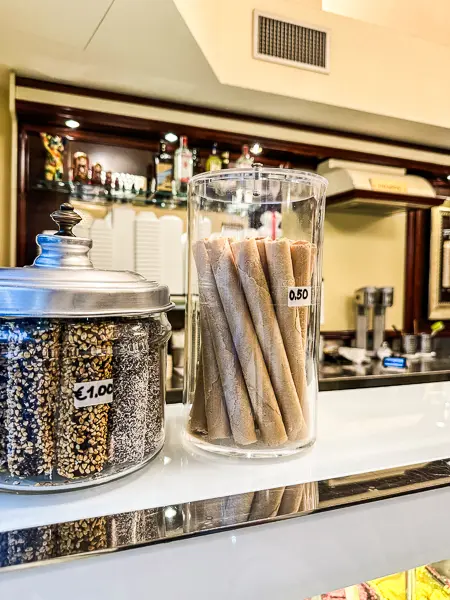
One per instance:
(5, 168)
(362, 250)
(412, 17)
(373, 69)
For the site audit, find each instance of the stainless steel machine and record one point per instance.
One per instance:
(365, 299)
(371, 300)
(384, 299)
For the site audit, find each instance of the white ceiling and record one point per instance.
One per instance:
(428, 20)
(144, 47)
(61, 22)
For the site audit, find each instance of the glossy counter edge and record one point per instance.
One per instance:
(329, 384)
(109, 533)
(351, 382)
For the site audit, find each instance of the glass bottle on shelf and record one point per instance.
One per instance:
(196, 162)
(245, 160)
(213, 162)
(225, 160)
(163, 170)
(183, 166)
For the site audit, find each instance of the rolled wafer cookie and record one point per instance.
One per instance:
(264, 403)
(235, 391)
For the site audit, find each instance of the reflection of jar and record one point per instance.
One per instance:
(446, 264)
(82, 363)
(251, 382)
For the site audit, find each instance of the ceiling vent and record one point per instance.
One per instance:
(290, 43)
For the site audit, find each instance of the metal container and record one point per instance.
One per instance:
(82, 367)
(253, 310)
(425, 343)
(409, 343)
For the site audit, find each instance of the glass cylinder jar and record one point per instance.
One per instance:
(254, 280)
(82, 368)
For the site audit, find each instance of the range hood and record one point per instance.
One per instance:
(374, 189)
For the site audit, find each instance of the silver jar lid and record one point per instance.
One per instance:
(62, 281)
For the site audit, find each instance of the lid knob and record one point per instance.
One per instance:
(66, 218)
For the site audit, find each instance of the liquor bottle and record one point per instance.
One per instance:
(196, 162)
(163, 171)
(245, 160)
(225, 160)
(213, 162)
(183, 166)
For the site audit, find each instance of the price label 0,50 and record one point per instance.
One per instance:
(91, 393)
(299, 296)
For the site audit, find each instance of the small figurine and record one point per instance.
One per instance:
(97, 174)
(54, 146)
(80, 167)
(108, 180)
(117, 185)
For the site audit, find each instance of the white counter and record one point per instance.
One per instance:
(359, 431)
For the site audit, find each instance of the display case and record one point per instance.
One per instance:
(428, 582)
(296, 528)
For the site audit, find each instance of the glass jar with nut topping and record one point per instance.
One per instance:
(82, 362)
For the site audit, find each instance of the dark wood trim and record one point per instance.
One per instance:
(143, 129)
(419, 283)
(385, 197)
(82, 135)
(417, 271)
(145, 101)
(408, 309)
(344, 334)
(348, 335)
(22, 179)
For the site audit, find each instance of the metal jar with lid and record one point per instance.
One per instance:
(82, 367)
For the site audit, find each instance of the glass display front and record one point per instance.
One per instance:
(428, 582)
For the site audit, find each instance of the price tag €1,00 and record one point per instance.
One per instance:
(91, 393)
(299, 296)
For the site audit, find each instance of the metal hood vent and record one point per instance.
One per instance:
(290, 43)
(374, 189)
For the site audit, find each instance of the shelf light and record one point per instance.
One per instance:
(256, 148)
(171, 137)
(72, 124)
(448, 177)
